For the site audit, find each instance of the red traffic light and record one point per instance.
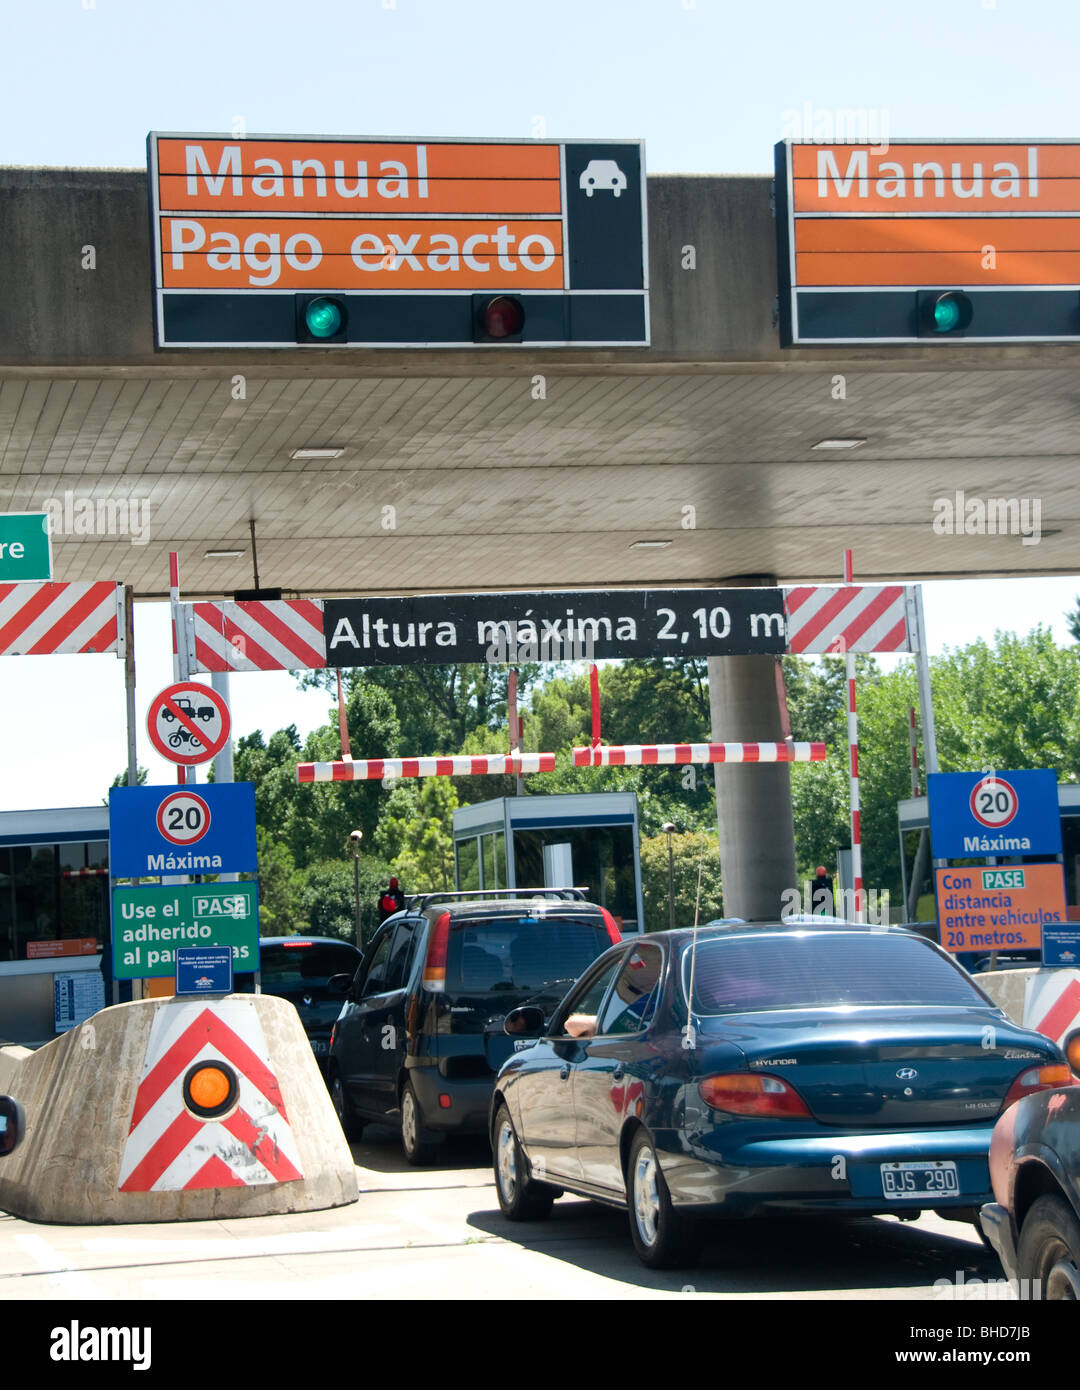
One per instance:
(499, 319)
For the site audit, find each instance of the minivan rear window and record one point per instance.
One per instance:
(799, 970)
(286, 968)
(520, 953)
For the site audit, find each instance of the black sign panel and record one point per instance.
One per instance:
(566, 625)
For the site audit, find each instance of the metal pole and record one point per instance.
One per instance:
(853, 766)
(926, 699)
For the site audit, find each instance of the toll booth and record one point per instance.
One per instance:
(54, 919)
(588, 839)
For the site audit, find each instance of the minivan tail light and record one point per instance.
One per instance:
(438, 947)
(739, 1093)
(1034, 1079)
(614, 934)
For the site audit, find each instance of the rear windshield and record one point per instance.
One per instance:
(808, 971)
(304, 967)
(520, 952)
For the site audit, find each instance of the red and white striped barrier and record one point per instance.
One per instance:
(661, 754)
(275, 635)
(1052, 1003)
(51, 619)
(368, 769)
(849, 618)
(169, 1148)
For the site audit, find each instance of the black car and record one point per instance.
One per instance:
(298, 968)
(838, 1069)
(421, 1037)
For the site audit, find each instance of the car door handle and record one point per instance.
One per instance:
(564, 1071)
(619, 1072)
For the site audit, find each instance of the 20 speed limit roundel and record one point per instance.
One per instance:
(183, 818)
(993, 802)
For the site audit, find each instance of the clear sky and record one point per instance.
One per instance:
(710, 85)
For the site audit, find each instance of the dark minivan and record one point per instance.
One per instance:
(298, 968)
(420, 1037)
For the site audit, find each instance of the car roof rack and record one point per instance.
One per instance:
(418, 901)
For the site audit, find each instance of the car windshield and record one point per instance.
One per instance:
(521, 953)
(305, 966)
(812, 970)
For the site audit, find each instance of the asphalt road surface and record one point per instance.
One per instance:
(438, 1233)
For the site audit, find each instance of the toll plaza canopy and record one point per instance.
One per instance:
(765, 393)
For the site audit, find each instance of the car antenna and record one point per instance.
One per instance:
(689, 1041)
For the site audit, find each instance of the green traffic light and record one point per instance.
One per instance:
(946, 315)
(323, 318)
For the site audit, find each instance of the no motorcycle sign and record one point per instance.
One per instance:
(188, 723)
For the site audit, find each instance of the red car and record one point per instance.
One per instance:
(1035, 1171)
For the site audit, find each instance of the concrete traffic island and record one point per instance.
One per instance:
(174, 1110)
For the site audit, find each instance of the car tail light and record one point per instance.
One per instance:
(614, 934)
(739, 1093)
(1071, 1049)
(435, 965)
(1034, 1079)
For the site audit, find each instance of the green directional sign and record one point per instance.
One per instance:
(151, 921)
(25, 547)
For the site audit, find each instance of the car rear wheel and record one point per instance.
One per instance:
(520, 1197)
(1049, 1253)
(416, 1139)
(353, 1127)
(662, 1236)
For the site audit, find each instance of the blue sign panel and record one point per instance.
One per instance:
(981, 814)
(206, 829)
(1061, 943)
(204, 970)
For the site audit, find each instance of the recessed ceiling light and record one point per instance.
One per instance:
(838, 444)
(316, 453)
(223, 554)
(648, 545)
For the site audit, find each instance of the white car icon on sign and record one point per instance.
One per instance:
(602, 173)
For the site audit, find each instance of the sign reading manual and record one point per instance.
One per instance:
(975, 815)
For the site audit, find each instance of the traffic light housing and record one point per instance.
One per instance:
(498, 318)
(390, 900)
(321, 318)
(943, 312)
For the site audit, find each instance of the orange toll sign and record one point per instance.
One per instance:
(294, 241)
(1003, 908)
(911, 241)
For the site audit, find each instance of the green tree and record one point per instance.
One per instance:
(414, 834)
(326, 900)
(690, 851)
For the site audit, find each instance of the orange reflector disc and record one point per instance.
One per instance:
(209, 1087)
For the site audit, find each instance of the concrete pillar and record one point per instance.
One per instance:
(753, 801)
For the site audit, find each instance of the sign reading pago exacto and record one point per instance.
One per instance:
(402, 241)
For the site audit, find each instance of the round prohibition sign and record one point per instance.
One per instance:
(993, 802)
(183, 818)
(188, 723)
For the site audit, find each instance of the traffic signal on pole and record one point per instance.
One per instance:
(321, 318)
(497, 318)
(391, 900)
(942, 312)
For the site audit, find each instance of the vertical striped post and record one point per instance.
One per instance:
(914, 752)
(853, 753)
(594, 700)
(179, 661)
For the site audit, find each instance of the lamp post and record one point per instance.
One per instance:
(669, 829)
(355, 836)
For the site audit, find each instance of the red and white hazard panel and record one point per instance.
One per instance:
(46, 619)
(276, 635)
(847, 618)
(1052, 1004)
(208, 1111)
(463, 765)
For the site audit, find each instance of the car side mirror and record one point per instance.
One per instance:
(339, 984)
(527, 1021)
(12, 1124)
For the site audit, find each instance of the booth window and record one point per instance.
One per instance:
(52, 893)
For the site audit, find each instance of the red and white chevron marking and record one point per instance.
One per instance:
(1052, 1004)
(367, 769)
(169, 1149)
(648, 754)
(847, 618)
(278, 635)
(46, 619)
